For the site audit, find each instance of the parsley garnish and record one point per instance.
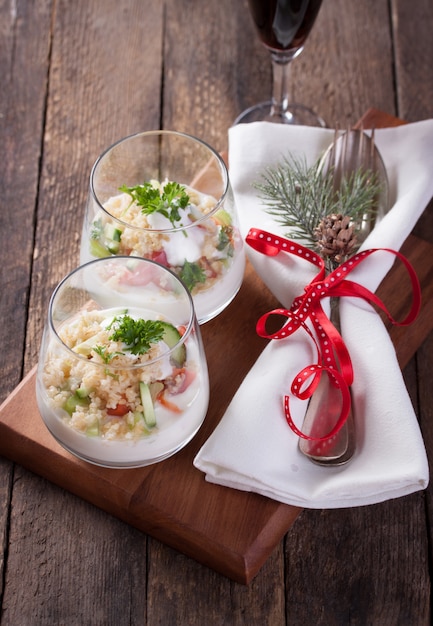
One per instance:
(191, 274)
(137, 335)
(104, 354)
(168, 201)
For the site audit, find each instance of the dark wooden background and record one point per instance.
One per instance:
(76, 76)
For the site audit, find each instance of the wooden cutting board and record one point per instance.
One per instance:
(230, 531)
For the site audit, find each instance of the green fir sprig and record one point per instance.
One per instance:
(301, 196)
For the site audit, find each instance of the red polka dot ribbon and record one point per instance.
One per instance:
(306, 313)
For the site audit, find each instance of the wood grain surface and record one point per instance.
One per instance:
(77, 76)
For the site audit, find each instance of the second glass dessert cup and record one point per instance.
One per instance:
(166, 196)
(122, 378)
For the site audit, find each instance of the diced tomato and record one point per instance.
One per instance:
(119, 410)
(160, 257)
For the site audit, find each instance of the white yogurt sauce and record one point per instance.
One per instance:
(173, 434)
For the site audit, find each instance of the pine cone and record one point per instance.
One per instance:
(335, 237)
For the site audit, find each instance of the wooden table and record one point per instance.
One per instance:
(77, 76)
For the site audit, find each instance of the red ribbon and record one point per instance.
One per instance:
(332, 355)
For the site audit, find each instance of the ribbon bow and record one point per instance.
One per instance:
(307, 313)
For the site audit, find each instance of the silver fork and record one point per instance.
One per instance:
(350, 151)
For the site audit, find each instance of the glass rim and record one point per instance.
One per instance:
(189, 326)
(213, 153)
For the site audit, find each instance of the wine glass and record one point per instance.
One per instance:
(283, 27)
(122, 379)
(166, 196)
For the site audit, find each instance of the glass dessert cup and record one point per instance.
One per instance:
(134, 208)
(122, 379)
(283, 28)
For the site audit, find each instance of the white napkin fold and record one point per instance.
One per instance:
(253, 448)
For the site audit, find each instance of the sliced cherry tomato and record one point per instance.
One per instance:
(119, 410)
(186, 375)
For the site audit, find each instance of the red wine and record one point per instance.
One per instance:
(284, 24)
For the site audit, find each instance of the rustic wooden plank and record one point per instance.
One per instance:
(183, 592)
(363, 566)
(424, 360)
(202, 74)
(70, 563)
(346, 67)
(413, 55)
(6, 480)
(210, 75)
(104, 83)
(23, 68)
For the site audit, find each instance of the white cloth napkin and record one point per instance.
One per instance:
(253, 448)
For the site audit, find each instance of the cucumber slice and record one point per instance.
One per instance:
(148, 408)
(172, 337)
(223, 218)
(83, 392)
(111, 232)
(138, 419)
(112, 238)
(113, 246)
(86, 347)
(98, 250)
(73, 401)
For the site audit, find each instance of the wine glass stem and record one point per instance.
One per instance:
(280, 84)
